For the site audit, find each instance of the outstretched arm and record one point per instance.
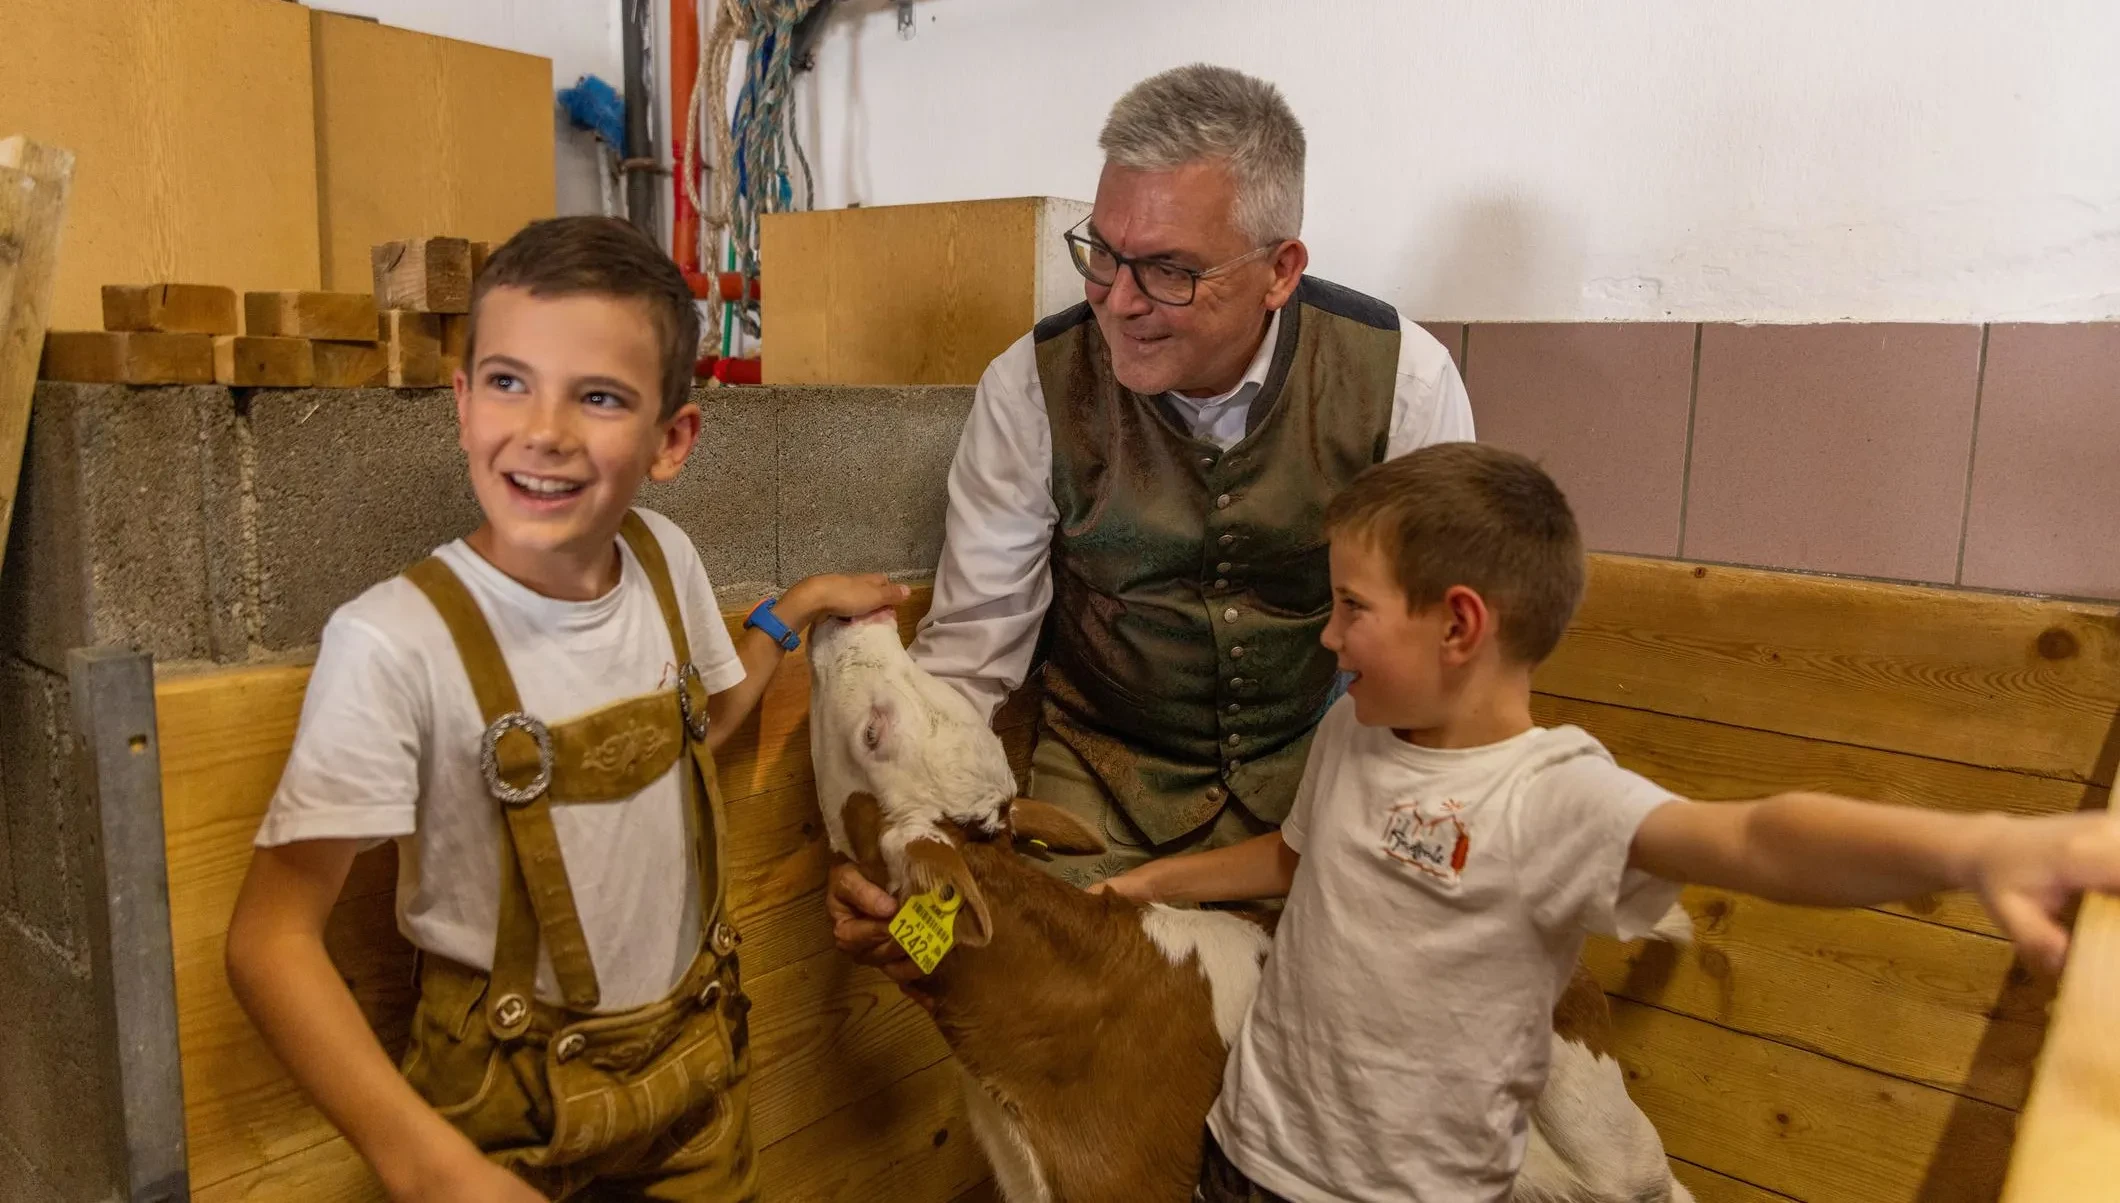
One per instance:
(1261, 867)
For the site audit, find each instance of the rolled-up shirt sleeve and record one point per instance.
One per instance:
(994, 579)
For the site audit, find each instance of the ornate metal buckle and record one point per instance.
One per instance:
(695, 723)
(489, 758)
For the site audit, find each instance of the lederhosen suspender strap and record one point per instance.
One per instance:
(606, 756)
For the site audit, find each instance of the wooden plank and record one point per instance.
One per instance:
(1804, 1125)
(106, 357)
(170, 308)
(239, 359)
(34, 183)
(328, 1172)
(412, 348)
(350, 364)
(1911, 999)
(456, 332)
(1716, 762)
(898, 294)
(908, 1143)
(194, 122)
(306, 314)
(1710, 1187)
(428, 275)
(2069, 1143)
(423, 135)
(1982, 679)
(825, 1031)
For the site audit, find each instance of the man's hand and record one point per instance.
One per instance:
(2029, 870)
(844, 595)
(860, 911)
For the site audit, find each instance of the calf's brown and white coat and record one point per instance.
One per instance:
(1092, 1030)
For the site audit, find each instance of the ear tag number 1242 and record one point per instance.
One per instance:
(923, 925)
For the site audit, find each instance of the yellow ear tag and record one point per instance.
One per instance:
(923, 925)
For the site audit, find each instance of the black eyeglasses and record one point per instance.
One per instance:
(1161, 282)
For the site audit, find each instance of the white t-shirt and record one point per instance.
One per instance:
(1402, 1026)
(388, 747)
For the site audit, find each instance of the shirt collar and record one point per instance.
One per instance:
(1254, 377)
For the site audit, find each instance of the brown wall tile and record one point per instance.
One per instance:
(1603, 406)
(1835, 448)
(1452, 336)
(2045, 509)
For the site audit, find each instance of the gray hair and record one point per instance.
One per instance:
(1199, 112)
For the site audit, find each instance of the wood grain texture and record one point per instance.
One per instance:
(2068, 1146)
(1804, 1125)
(36, 182)
(1915, 1000)
(907, 1142)
(1710, 1187)
(1981, 679)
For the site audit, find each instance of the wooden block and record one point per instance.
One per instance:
(34, 179)
(170, 308)
(429, 275)
(412, 349)
(121, 357)
(456, 334)
(480, 252)
(329, 315)
(350, 365)
(263, 362)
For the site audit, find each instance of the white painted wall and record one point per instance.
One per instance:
(581, 37)
(1775, 160)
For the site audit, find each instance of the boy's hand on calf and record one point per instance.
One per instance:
(839, 594)
(2031, 869)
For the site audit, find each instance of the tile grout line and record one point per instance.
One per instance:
(1685, 473)
(1972, 453)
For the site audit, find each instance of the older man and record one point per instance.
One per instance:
(1142, 479)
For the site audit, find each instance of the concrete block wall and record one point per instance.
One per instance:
(210, 526)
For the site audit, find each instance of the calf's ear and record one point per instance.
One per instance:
(939, 866)
(1058, 830)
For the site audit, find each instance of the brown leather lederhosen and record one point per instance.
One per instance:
(656, 1096)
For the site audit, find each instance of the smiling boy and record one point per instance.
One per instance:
(531, 713)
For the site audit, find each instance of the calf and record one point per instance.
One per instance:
(1092, 1030)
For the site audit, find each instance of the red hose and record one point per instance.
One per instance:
(684, 68)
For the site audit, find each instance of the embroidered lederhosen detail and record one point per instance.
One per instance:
(659, 1087)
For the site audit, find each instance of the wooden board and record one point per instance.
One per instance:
(1804, 1125)
(171, 308)
(906, 1142)
(907, 294)
(194, 128)
(34, 184)
(1716, 762)
(825, 1032)
(135, 357)
(1710, 1187)
(418, 135)
(1982, 679)
(2069, 1142)
(1911, 999)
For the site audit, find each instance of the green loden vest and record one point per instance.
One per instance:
(1190, 584)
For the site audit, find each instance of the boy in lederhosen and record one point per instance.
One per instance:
(531, 713)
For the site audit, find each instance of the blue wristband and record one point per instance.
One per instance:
(765, 619)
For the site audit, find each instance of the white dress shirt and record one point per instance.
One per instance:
(994, 580)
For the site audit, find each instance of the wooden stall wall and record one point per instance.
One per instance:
(852, 1096)
(1836, 1056)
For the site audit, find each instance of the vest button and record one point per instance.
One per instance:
(570, 1046)
(1233, 707)
(1223, 566)
(1207, 461)
(1215, 793)
(1236, 653)
(1236, 682)
(1222, 502)
(1227, 540)
(1221, 582)
(1233, 738)
(1229, 615)
(511, 1010)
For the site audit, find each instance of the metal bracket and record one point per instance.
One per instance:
(133, 964)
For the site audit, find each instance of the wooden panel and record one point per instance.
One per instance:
(34, 183)
(419, 135)
(1716, 762)
(908, 1142)
(1982, 679)
(824, 1031)
(901, 294)
(2070, 1144)
(1710, 1187)
(193, 125)
(1804, 1125)
(1906, 998)
(330, 1172)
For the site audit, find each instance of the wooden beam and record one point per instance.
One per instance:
(244, 361)
(135, 357)
(34, 179)
(2068, 1143)
(412, 349)
(350, 364)
(300, 314)
(431, 275)
(170, 308)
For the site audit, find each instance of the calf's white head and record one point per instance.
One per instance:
(907, 771)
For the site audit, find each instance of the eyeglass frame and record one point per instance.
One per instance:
(1073, 240)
